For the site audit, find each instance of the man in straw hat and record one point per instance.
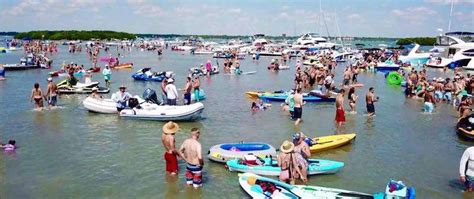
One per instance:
(191, 152)
(287, 162)
(121, 97)
(168, 140)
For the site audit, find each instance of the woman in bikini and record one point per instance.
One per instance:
(37, 96)
(352, 97)
(288, 164)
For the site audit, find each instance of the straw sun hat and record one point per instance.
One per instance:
(287, 147)
(170, 128)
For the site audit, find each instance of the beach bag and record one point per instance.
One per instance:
(133, 102)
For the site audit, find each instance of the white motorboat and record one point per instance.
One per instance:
(312, 40)
(415, 58)
(165, 113)
(453, 51)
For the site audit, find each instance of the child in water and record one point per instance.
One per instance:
(254, 107)
(10, 146)
(259, 106)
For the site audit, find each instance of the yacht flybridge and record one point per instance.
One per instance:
(312, 40)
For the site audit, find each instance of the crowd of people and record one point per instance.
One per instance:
(317, 79)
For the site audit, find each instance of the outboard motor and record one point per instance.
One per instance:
(150, 96)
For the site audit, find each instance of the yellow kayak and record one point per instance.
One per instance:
(123, 66)
(331, 141)
(253, 94)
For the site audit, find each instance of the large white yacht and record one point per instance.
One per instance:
(455, 50)
(312, 40)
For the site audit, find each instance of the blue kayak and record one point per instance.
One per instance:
(143, 77)
(270, 167)
(306, 98)
(145, 74)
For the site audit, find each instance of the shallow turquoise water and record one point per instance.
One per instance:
(71, 153)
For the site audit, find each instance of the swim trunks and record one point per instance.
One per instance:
(171, 162)
(346, 82)
(370, 108)
(196, 94)
(171, 102)
(469, 181)
(53, 100)
(340, 117)
(193, 175)
(428, 107)
(187, 98)
(297, 113)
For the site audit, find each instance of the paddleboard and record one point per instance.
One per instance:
(244, 73)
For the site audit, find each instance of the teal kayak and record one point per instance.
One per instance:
(270, 167)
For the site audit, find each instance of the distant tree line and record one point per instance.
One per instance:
(75, 35)
(425, 41)
(8, 33)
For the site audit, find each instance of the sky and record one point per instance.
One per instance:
(370, 18)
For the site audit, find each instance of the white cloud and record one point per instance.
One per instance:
(235, 11)
(445, 2)
(354, 17)
(53, 7)
(145, 8)
(413, 15)
(284, 15)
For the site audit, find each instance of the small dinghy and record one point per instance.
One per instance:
(228, 151)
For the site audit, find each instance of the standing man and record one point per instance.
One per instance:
(51, 94)
(369, 100)
(171, 92)
(187, 91)
(107, 75)
(347, 77)
(298, 110)
(164, 97)
(466, 169)
(196, 84)
(340, 115)
(168, 140)
(191, 152)
(429, 100)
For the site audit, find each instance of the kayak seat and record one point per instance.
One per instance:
(256, 188)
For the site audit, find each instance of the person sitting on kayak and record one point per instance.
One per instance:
(121, 97)
(302, 153)
(10, 146)
(269, 189)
